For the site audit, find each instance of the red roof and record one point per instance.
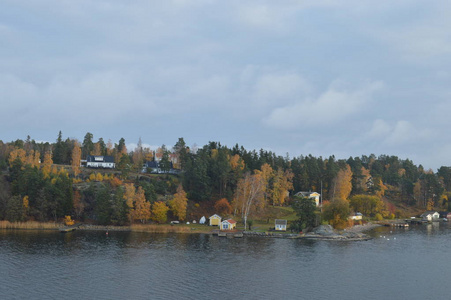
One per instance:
(231, 221)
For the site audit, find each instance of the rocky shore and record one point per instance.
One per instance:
(326, 232)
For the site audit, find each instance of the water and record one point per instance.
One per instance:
(412, 263)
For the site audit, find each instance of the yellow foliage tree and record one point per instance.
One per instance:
(249, 195)
(282, 184)
(92, 177)
(99, 177)
(141, 208)
(179, 203)
(236, 163)
(68, 221)
(76, 157)
(342, 185)
(129, 196)
(47, 165)
(17, 154)
(160, 212)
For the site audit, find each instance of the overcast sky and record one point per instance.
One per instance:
(319, 77)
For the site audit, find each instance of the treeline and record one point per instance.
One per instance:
(42, 181)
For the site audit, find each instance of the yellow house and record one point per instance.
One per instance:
(215, 220)
(313, 195)
(227, 224)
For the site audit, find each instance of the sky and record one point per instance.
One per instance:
(324, 77)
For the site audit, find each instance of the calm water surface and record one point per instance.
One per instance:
(402, 264)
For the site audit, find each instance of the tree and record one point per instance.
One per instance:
(124, 166)
(337, 213)
(305, 209)
(47, 164)
(160, 212)
(165, 164)
(76, 157)
(88, 145)
(141, 208)
(282, 184)
(342, 184)
(58, 152)
(249, 195)
(223, 207)
(179, 203)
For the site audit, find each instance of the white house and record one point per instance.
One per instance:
(356, 216)
(313, 195)
(215, 220)
(430, 215)
(98, 161)
(227, 224)
(280, 225)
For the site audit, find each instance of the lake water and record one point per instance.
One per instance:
(410, 263)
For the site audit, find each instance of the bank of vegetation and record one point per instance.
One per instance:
(43, 182)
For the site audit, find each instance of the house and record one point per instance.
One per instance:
(100, 161)
(227, 225)
(154, 167)
(430, 215)
(215, 220)
(313, 195)
(357, 216)
(280, 225)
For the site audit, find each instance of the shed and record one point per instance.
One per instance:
(280, 225)
(227, 224)
(215, 220)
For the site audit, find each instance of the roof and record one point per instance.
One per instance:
(215, 216)
(429, 212)
(281, 222)
(230, 221)
(305, 194)
(100, 158)
(151, 164)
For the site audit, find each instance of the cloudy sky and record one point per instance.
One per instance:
(319, 77)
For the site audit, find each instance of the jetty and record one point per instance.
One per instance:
(70, 228)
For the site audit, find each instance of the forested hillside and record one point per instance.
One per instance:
(44, 182)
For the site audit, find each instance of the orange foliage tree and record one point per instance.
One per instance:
(223, 207)
(141, 208)
(47, 165)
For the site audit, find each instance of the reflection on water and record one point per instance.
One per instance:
(397, 264)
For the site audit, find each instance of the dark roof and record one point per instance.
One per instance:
(281, 222)
(151, 164)
(100, 158)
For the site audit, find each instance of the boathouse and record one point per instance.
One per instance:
(227, 224)
(280, 225)
(215, 220)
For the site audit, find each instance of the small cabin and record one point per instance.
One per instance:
(280, 225)
(227, 225)
(215, 220)
(430, 215)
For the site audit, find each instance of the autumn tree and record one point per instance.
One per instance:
(19, 154)
(342, 186)
(160, 212)
(337, 213)
(47, 164)
(179, 203)
(223, 207)
(282, 184)
(141, 208)
(249, 195)
(76, 157)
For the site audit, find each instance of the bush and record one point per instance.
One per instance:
(378, 217)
